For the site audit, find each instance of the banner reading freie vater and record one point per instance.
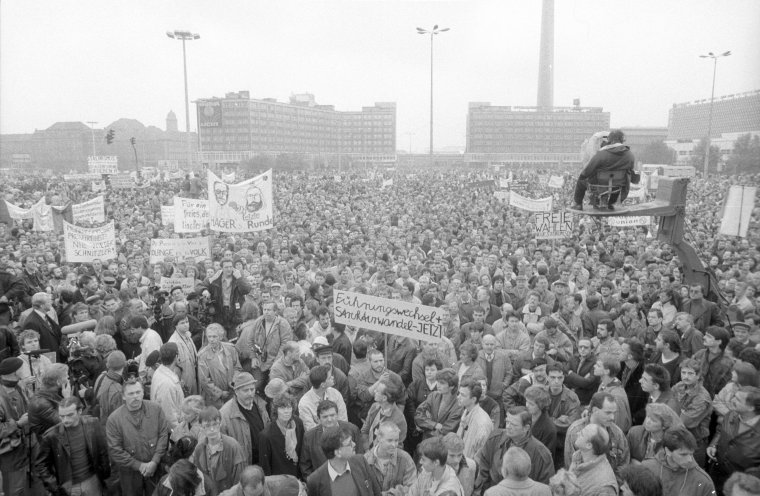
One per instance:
(242, 207)
(397, 317)
(84, 245)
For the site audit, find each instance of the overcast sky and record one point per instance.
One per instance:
(103, 60)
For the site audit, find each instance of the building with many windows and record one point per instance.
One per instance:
(237, 127)
(534, 135)
(65, 146)
(733, 116)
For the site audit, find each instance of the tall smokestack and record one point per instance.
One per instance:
(546, 56)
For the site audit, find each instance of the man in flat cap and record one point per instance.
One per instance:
(245, 416)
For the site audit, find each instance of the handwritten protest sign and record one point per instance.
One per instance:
(556, 182)
(98, 185)
(190, 215)
(242, 207)
(553, 225)
(387, 183)
(186, 283)
(83, 244)
(105, 164)
(167, 215)
(122, 181)
(501, 195)
(519, 201)
(616, 221)
(179, 248)
(71, 178)
(390, 316)
(91, 210)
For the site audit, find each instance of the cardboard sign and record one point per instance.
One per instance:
(519, 201)
(617, 221)
(167, 215)
(556, 182)
(190, 215)
(92, 210)
(83, 244)
(106, 164)
(242, 207)
(397, 317)
(122, 181)
(179, 248)
(186, 283)
(553, 225)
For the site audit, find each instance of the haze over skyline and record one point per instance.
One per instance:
(101, 61)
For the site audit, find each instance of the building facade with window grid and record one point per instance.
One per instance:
(239, 127)
(535, 134)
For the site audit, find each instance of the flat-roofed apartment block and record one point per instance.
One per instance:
(237, 127)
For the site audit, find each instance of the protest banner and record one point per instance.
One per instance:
(42, 215)
(99, 185)
(737, 211)
(19, 213)
(556, 182)
(190, 215)
(228, 178)
(617, 221)
(518, 185)
(518, 201)
(83, 244)
(387, 183)
(553, 225)
(104, 164)
(179, 248)
(501, 195)
(92, 210)
(504, 182)
(71, 178)
(337, 179)
(396, 317)
(121, 181)
(186, 283)
(167, 215)
(242, 207)
(170, 165)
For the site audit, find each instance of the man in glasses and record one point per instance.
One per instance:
(344, 472)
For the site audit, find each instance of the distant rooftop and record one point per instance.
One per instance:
(733, 96)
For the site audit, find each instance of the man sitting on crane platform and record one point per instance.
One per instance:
(612, 156)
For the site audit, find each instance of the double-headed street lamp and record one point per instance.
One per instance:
(432, 33)
(185, 36)
(715, 58)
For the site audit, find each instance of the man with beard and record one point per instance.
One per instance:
(254, 200)
(244, 416)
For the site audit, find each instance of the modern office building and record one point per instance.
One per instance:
(733, 116)
(65, 146)
(237, 127)
(530, 135)
(737, 113)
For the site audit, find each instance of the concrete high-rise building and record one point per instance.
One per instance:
(546, 57)
(237, 127)
(733, 116)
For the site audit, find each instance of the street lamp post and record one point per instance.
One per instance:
(92, 132)
(185, 36)
(432, 33)
(715, 58)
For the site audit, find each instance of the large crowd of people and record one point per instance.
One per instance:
(580, 366)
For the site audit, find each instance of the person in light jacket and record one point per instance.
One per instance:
(515, 468)
(165, 387)
(217, 365)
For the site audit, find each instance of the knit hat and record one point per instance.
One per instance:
(243, 379)
(116, 360)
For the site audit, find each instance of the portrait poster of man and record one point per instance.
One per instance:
(242, 207)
